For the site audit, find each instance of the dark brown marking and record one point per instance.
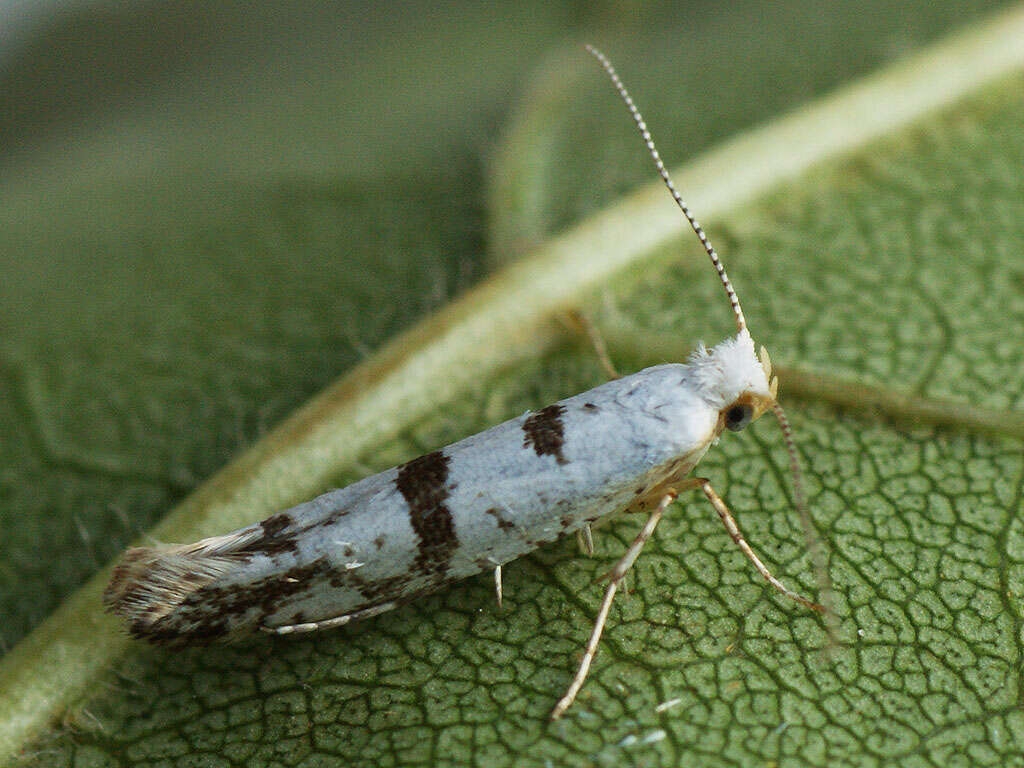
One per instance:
(379, 542)
(546, 432)
(398, 590)
(591, 407)
(272, 540)
(503, 522)
(234, 606)
(423, 483)
(329, 519)
(214, 612)
(164, 633)
(384, 590)
(275, 524)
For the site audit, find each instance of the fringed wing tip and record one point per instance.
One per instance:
(151, 584)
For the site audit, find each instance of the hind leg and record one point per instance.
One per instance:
(597, 341)
(615, 577)
(336, 621)
(585, 539)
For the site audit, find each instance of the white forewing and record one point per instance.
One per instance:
(477, 503)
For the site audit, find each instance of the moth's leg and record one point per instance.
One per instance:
(734, 531)
(597, 341)
(337, 621)
(497, 583)
(615, 576)
(585, 538)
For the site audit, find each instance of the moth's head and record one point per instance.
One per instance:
(734, 380)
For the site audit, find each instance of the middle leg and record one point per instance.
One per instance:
(615, 577)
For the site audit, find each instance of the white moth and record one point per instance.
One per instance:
(471, 506)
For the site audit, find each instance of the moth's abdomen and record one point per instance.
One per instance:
(446, 515)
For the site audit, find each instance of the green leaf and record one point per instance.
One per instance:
(210, 211)
(845, 273)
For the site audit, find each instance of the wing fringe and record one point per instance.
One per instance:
(151, 584)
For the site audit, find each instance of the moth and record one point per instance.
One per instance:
(472, 506)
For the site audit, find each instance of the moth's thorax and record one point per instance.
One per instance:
(727, 371)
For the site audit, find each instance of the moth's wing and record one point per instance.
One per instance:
(151, 584)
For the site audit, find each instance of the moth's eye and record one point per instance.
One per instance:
(738, 416)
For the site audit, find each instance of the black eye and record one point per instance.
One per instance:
(738, 416)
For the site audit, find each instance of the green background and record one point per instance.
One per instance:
(208, 216)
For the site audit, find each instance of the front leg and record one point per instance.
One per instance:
(734, 531)
(618, 572)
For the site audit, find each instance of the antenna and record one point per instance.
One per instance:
(810, 535)
(800, 502)
(741, 322)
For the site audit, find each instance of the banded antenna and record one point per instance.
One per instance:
(799, 501)
(741, 322)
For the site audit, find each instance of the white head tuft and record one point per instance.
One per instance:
(728, 370)
(732, 370)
